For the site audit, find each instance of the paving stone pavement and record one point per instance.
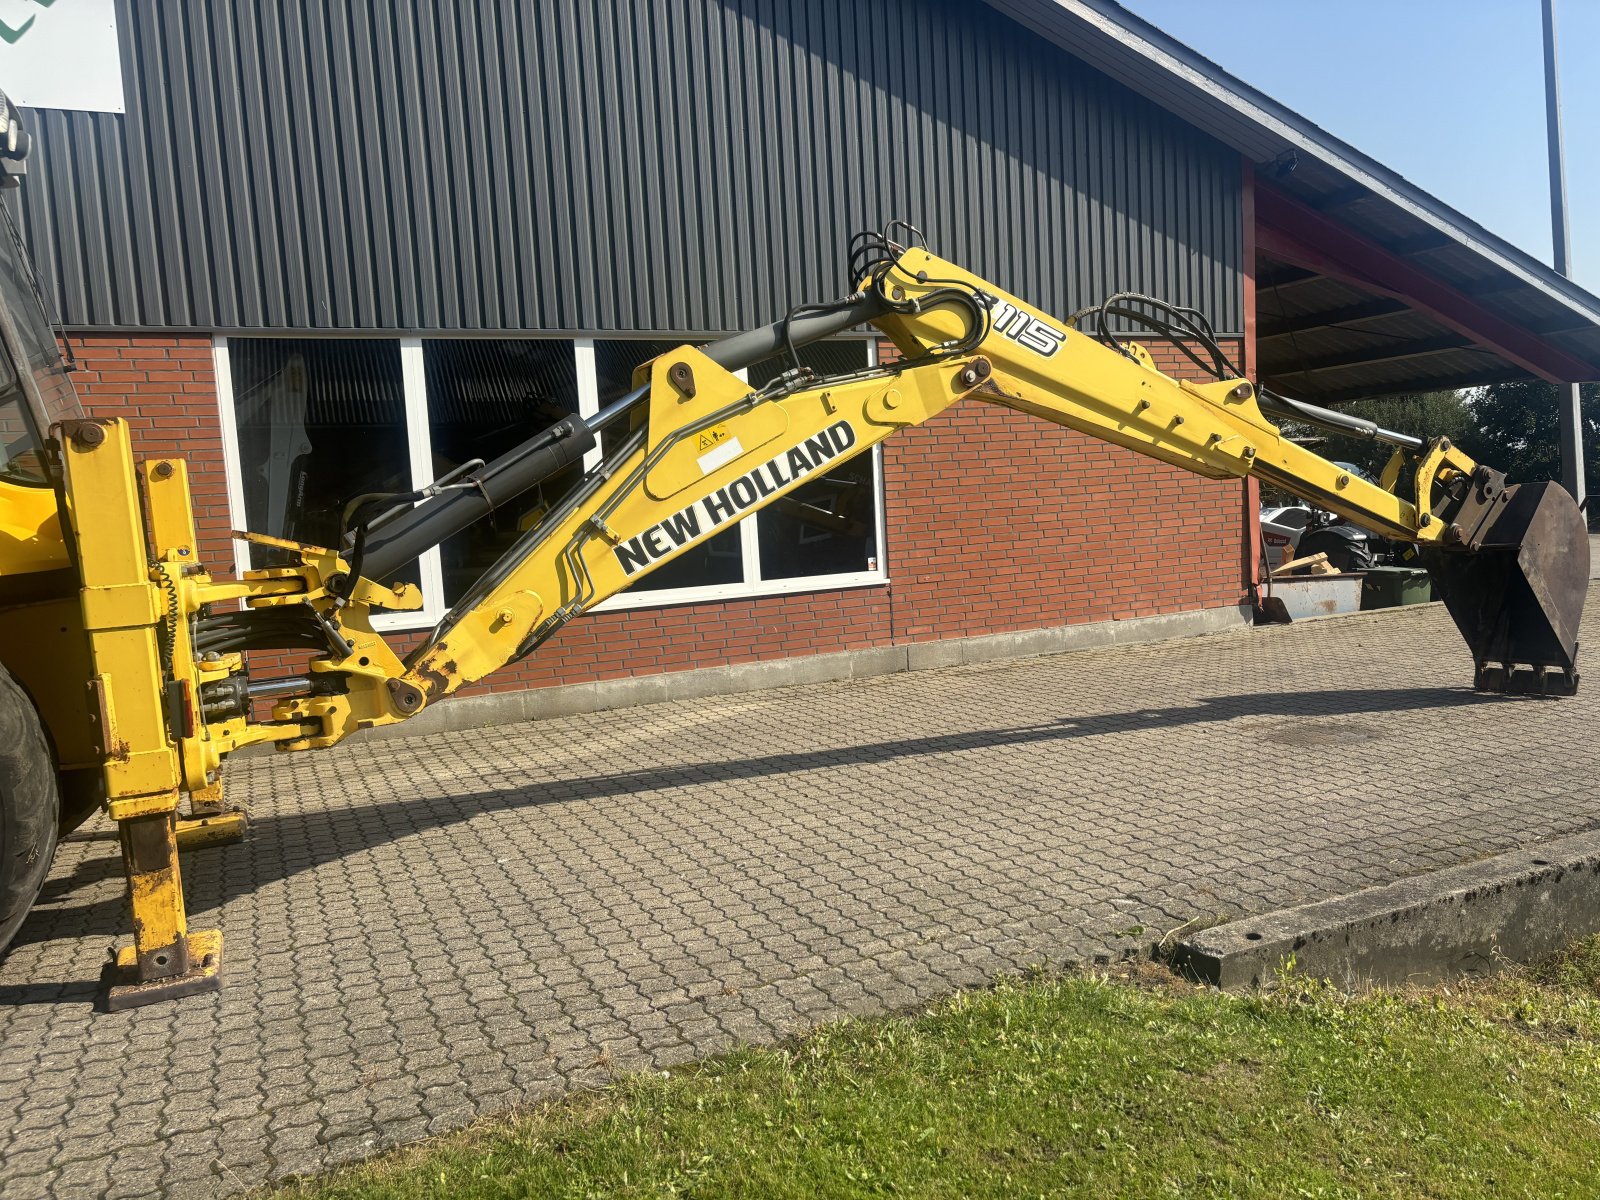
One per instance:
(422, 931)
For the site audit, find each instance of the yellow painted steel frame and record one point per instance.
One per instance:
(30, 530)
(709, 451)
(1213, 429)
(137, 596)
(128, 605)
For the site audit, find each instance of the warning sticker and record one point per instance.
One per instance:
(722, 451)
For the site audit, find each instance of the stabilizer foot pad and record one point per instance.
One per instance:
(125, 990)
(213, 829)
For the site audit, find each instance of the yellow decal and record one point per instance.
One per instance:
(711, 437)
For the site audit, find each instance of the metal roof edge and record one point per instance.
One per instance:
(1113, 21)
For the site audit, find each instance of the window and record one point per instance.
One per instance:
(826, 533)
(19, 443)
(37, 356)
(319, 423)
(826, 526)
(315, 425)
(35, 331)
(486, 395)
(312, 425)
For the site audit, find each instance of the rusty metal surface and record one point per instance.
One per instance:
(1518, 597)
(202, 973)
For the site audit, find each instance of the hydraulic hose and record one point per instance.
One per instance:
(405, 538)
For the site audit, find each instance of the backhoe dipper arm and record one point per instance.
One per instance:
(709, 451)
(694, 448)
(1511, 562)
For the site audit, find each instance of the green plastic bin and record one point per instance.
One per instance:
(1390, 587)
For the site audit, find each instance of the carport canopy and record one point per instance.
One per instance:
(1365, 285)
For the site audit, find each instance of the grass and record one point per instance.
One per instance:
(1087, 1086)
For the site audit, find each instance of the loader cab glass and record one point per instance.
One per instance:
(35, 359)
(20, 460)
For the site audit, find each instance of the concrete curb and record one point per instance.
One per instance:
(506, 708)
(1468, 920)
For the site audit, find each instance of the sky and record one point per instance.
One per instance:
(1448, 93)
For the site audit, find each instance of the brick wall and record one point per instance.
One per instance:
(996, 522)
(165, 387)
(1001, 522)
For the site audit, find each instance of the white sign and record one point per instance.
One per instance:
(61, 54)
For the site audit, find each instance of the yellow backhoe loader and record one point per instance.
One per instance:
(126, 677)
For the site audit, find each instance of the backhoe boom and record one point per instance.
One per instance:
(692, 450)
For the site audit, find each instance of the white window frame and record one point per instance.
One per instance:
(752, 585)
(419, 440)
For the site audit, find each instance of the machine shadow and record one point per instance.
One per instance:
(283, 845)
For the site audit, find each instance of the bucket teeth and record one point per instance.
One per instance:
(1516, 591)
(1525, 681)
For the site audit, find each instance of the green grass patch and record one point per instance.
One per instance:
(1087, 1086)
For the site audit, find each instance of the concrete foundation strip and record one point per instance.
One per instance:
(562, 700)
(1514, 908)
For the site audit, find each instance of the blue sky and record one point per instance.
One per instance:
(1449, 93)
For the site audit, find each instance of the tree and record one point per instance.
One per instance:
(1521, 430)
(1422, 414)
(1513, 427)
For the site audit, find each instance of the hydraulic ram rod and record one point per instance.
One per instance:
(1337, 422)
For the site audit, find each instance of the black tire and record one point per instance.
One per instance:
(30, 807)
(1345, 552)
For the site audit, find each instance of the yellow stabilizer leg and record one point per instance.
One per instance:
(210, 821)
(126, 613)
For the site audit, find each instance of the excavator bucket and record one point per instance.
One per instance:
(1516, 590)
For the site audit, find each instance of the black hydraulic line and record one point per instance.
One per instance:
(1337, 422)
(405, 538)
(756, 345)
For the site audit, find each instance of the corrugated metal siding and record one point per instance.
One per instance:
(692, 165)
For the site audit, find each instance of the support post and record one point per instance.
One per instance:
(1252, 485)
(1568, 397)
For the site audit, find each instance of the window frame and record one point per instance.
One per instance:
(419, 442)
(752, 586)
